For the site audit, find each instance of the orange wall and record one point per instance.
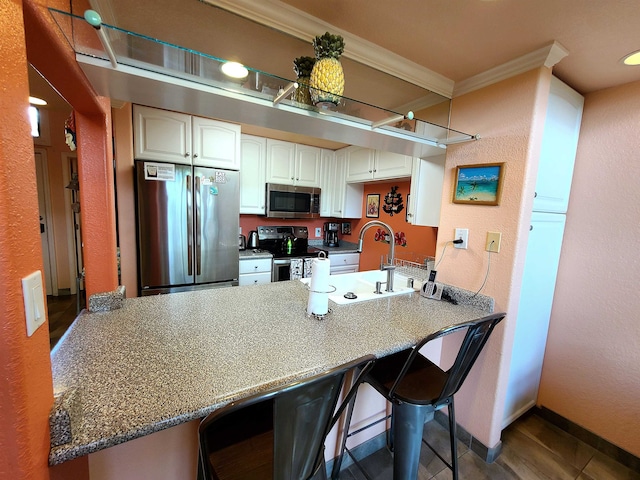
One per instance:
(591, 371)
(26, 392)
(510, 117)
(420, 241)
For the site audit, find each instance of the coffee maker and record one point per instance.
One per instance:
(330, 235)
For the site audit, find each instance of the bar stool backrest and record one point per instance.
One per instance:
(301, 415)
(477, 334)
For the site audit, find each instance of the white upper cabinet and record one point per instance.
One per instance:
(252, 174)
(359, 166)
(365, 165)
(216, 144)
(427, 182)
(558, 150)
(346, 198)
(161, 135)
(292, 164)
(327, 167)
(173, 137)
(391, 165)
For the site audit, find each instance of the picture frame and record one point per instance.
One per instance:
(479, 184)
(373, 205)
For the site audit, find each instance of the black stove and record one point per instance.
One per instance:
(287, 242)
(292, 254)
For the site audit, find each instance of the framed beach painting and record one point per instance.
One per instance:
(478, 184)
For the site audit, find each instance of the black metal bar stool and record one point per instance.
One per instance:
(278, 434)
(416, 387)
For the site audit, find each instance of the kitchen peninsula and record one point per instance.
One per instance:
(163, 360)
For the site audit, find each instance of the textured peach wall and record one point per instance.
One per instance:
(26, 391)
(509, 117)
(591, 371)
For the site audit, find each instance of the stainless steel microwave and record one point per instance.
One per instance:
(288, 201)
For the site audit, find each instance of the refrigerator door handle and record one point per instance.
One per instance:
(198, 226)
(189, 228)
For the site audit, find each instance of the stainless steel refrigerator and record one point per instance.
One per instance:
(187, 227)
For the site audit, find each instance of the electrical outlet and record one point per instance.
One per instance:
(318, 232)
(461, 233)
(494, 237)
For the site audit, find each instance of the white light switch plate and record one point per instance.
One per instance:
(33, 294)
(318, 232)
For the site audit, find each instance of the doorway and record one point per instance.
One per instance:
(47, 238)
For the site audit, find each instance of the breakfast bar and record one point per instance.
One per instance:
(164, 360)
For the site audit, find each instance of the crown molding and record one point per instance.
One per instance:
(547, 56)
(289, 20)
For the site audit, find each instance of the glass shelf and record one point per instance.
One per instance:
(154, 55)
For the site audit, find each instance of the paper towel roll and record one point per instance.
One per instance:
(318, 303)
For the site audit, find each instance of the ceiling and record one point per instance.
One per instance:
(456, 39)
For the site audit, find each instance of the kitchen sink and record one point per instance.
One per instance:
(363, 285)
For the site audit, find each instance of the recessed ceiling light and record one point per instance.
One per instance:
(632, 58)
(234, 70)
(36, 101)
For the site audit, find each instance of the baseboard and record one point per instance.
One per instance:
(361, 451)
(489, 455)
(609, 449)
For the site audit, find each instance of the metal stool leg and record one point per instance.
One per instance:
(408, 424)
(453, 439)
(337, 462)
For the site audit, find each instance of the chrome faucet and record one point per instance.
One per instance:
(390, 267)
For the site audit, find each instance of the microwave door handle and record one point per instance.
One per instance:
(189, 228)
(198, 223)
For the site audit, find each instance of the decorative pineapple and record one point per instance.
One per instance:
(303, 66)
(327, 78)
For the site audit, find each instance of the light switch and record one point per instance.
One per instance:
(33, 294)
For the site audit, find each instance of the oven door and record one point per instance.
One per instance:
(281, 270)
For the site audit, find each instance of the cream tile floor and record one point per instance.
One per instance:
(533, 449)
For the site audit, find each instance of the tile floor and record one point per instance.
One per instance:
(532, 449)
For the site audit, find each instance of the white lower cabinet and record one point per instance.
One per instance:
(340, 263)
(254, 271)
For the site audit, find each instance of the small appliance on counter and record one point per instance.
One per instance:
(242, 242)
(331, 235)
(252, 240)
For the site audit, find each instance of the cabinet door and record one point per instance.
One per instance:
(359, 164)
(253, 153)
(216, 144)
(391, 165)
(346, 197)
(558, 150)
(161, 135)
(281, 162)
(534, 311)
(327, 188)
(308, 166)
(427, 182)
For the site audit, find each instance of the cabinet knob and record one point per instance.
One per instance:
(530, 227)
(297, 178)
(291, 178)
(195, 155)
(186, 154)
(409, 214)
(370, 171)
(255, 281)
(374, 170)
(535, 194)
(256, 267)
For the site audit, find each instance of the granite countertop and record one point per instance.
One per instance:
(344, 247)
(254, 254)
(167, 359)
